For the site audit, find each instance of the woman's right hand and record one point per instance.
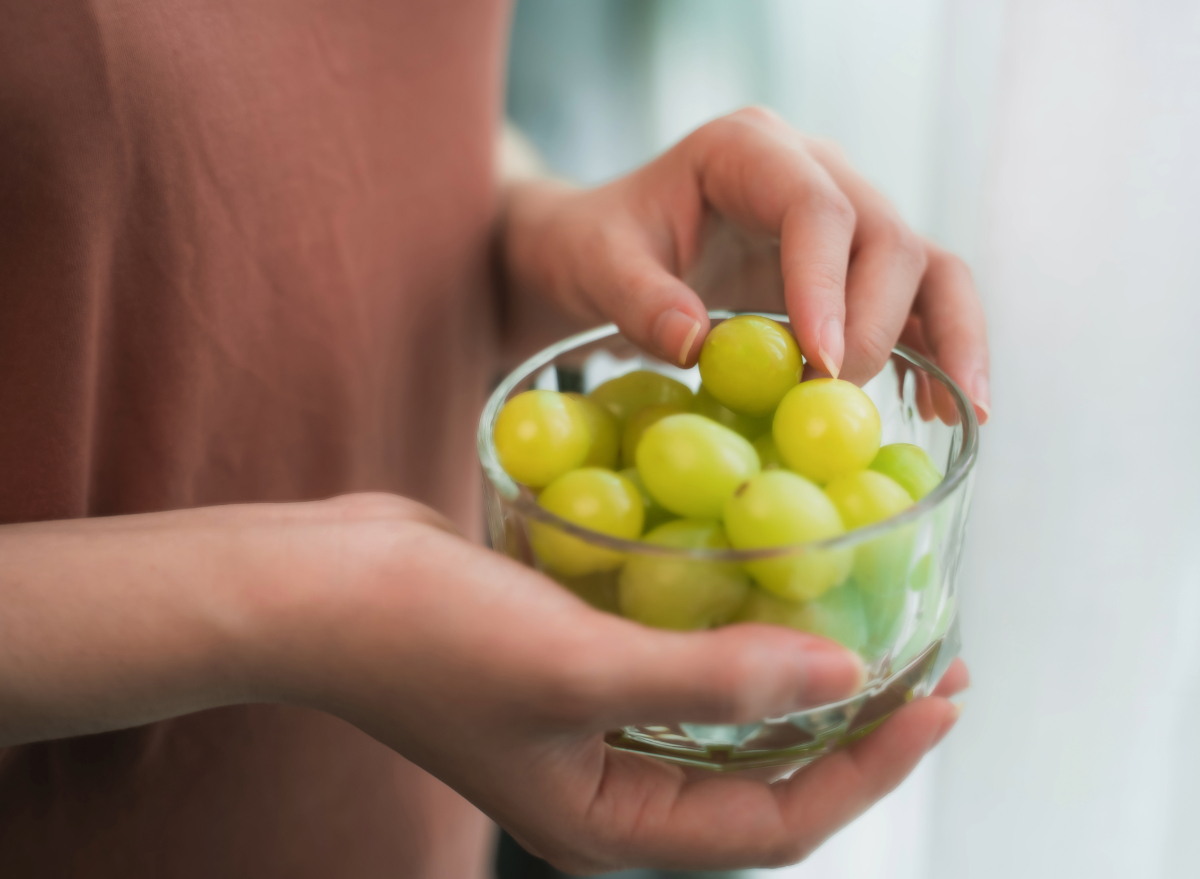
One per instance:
(502, 683)
(484, 672)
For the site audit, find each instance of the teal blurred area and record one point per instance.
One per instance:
(601, 86)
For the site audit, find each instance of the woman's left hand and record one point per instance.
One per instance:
(755, 215)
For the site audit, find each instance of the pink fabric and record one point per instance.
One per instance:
(243, 257)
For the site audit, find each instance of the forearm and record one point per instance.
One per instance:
(112, 622)
(106, 623)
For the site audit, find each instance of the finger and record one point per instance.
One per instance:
(914, 337)
(650, 305)
(756, 171)
(954, 326)
(938, 400)
(886, 266)
(651, 814)
(824, 797)
(954, 681)
(736, 674)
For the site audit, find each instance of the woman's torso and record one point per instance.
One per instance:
(245, 258)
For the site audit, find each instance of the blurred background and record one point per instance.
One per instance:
(1056, 146)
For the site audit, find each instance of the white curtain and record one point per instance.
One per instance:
(1056, 145)
(1077, 752)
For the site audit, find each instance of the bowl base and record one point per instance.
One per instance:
(798, 738)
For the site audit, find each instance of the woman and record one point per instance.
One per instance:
(255, 252)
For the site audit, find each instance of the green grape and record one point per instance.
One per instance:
(606, 439)
(540, 435)
(750, 427)
(637, 424)
(626, 394)
(826, 428)
(779, 508)
(598, 589)
(864, 498)
(836, 615)
(910, 466)
(692, 465)
(768, 454)
(655, 513)
(593, 498)
(749, 362)
(884, 613)
(680, 593)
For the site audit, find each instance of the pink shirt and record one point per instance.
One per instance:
(244, 256)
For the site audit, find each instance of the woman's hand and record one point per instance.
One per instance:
(502, 684)
(485, 673)
(751, 214)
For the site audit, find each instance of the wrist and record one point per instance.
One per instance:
(115, 622)
(345, 574)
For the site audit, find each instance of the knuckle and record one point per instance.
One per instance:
(872, 346)
(905, 248)
(912, 250)
(831, 203)
(825, 147)
(947, 263)
(719, 135)
(757, 114)
(827, 277)
(736, 126)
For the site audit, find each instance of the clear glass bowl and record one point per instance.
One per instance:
(903, 609)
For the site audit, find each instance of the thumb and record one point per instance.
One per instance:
(651, 306)
(737, 674)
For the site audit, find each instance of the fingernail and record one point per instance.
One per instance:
(831, 346)
(981, 396)
(956, 712)
(675, 333)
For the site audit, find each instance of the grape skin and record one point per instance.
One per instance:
(541, 435)
(637, 425)
(748, 426)
(826, 428)
(864, 498)
(768, 454)
(778, 508)
(627, 394)
(655, 513)
(692, 465)
(908, 465)
(836, 615)
(606, 438)
(675, 593)
(592, 498)
(761, 473)
(749, 362)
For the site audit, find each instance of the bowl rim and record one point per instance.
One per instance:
(521, 498)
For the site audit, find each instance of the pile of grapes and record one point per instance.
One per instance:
(754, 459)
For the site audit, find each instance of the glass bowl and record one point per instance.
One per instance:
(897, 607)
